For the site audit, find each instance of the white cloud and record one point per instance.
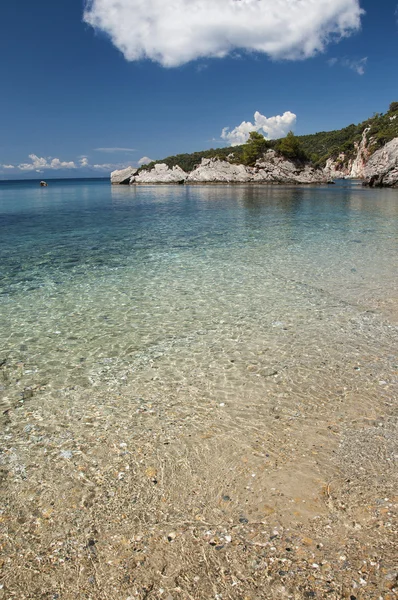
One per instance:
(112, 150)
(270, 127)
(58, 164)
(145, 160)
(39, 163)
(357, 65)
(176, 32)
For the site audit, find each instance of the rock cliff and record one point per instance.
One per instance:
(338, 168)
(382, 168)
(378, 169)
(364, 151)
(344, 167)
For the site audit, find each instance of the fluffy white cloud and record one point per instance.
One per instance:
(59, 164)
(145, 160)
(270, 127)
(357, 65)
(39, 163)
(178, 31)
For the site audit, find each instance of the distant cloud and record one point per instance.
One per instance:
(357, 65)
(59, 164)
(38, 164)
(145, 160)
(114, 150)
(186, 30)
(271, 127)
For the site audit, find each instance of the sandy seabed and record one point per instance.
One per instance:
(268, 473)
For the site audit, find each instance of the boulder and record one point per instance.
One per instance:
(382, 167)
(160, 173)
(123, 176)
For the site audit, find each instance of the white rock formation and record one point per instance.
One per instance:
(213, 170)
(353, 168)
(271, 169)
(160, 173)
(274, 168)
(362, 157)
(123, 176)
(382, 167)
(338, 168)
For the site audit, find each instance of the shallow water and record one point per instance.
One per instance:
(99, 281)
(200, 361)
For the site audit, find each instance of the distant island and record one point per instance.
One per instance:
(367, 151)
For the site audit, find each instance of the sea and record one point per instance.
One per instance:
(98, 282)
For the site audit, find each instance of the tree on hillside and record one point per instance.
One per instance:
(254, 148)
(291, 147)
(393, 107)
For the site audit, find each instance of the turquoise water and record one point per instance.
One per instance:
(104, 285)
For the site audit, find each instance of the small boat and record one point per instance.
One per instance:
(43, 184)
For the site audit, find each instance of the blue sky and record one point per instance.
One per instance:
(72, 104)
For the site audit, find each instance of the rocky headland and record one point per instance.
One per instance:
(367, 151)
(272, 168)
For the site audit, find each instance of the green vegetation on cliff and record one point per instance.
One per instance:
(317, 147)
(254, 148)
(329, 144)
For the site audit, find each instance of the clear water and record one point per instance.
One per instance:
(191, 286)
